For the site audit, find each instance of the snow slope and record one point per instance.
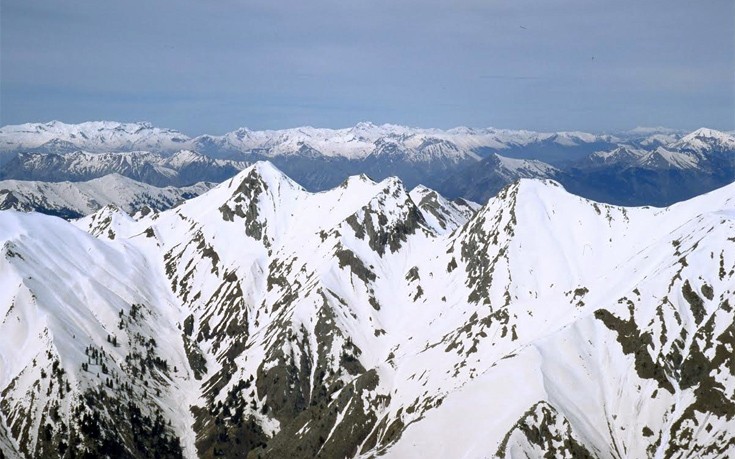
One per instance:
(369, 320)
(81, 198)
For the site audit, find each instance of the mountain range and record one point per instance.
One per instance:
(260, 319)
(644, 166)
(77, 199)
(358, 142)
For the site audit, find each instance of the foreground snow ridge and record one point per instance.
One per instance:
(262, 320)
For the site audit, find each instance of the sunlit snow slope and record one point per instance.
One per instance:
(260, 319)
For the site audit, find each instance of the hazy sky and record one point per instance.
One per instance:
(215, 65)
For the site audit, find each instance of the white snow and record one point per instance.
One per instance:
(90, 196)
(357, 142)
(479, 319)
(92, 136)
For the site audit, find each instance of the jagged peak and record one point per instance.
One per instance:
(392, 186)
(522, 168)
(262, 171)
(441, 214)
(624, 148)
(261, 183)
(269, 174)
(509, 300)
(529, 193)
(107, 213)
(354, 179)
(110, 221)
(421, 190)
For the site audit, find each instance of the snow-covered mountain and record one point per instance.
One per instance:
(631, 157)
(657, 173)
(482, 181)
(95, 136)
(624, 154)
(179, 169)
(76, 199)
(644, 166)
(705, 140)
(366, 139)
(358, 142)
(262, 319)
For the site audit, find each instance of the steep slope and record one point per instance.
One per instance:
(367, 320)
(89, 351)
(244, 296)
(596, 316)
(76, 199)
(440, 214)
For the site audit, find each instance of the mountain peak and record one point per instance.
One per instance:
(704, 132)
(705, 140)
(362, 321)
(356, 179)
(268, 172)
(257, 179)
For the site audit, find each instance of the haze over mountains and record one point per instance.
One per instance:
(645, 166)
(263, 320)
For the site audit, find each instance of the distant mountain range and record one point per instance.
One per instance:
(77, 199)
(639, 172)
(262, 320)
(358, 142)
(644, 166)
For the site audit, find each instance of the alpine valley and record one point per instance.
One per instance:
(260, 319)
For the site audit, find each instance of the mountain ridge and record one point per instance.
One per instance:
(77, 199)
(350, 323)
(662, 166)
(651, 166)
(352, 142)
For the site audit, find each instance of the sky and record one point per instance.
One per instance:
(213, 66)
